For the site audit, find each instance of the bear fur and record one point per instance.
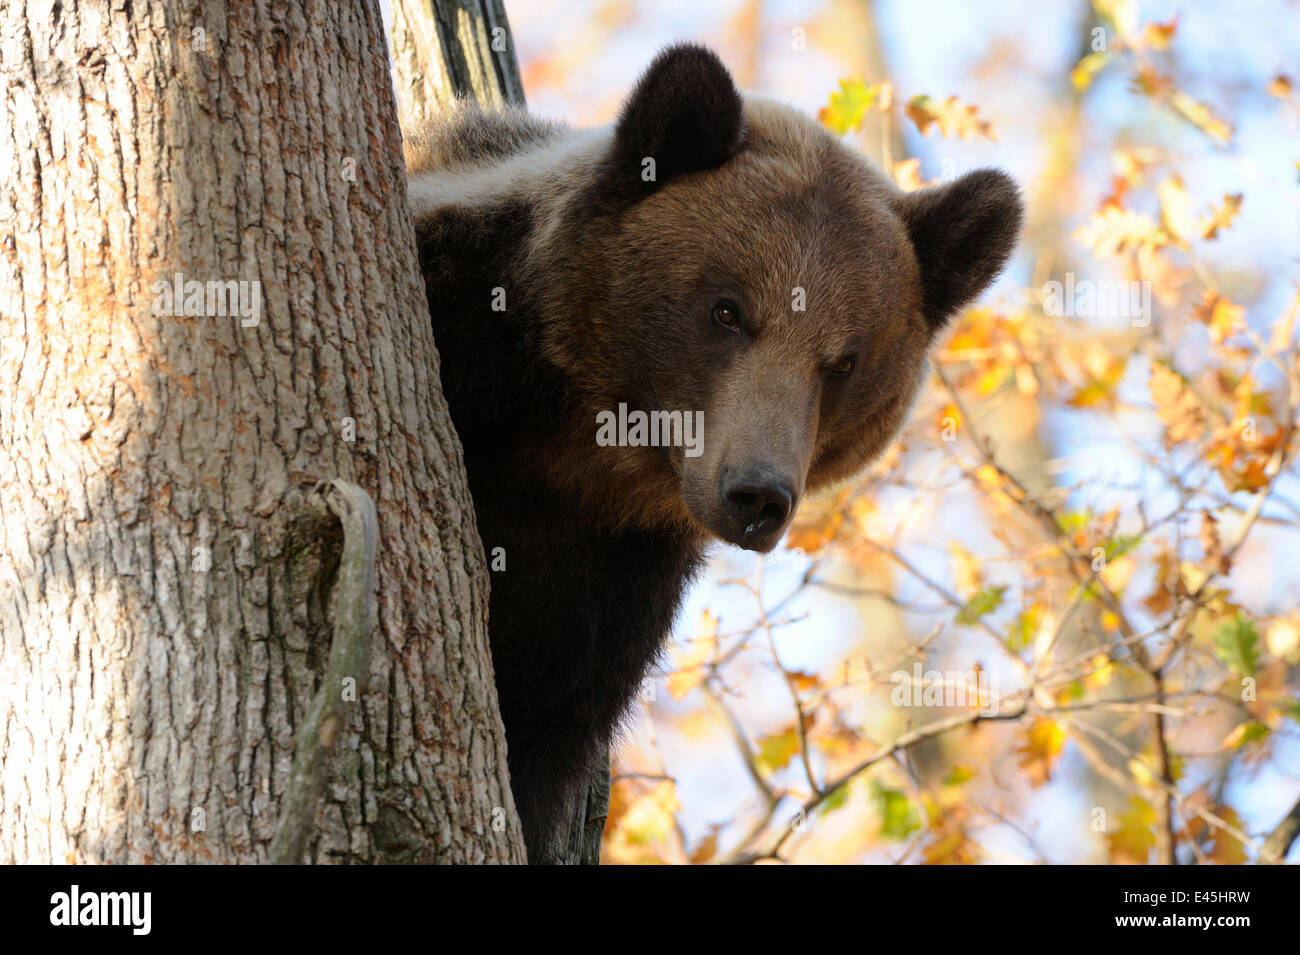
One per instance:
(659, 263)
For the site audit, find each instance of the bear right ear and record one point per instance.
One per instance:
(963, 233)
(684, 115)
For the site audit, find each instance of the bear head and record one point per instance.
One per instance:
(736, 258)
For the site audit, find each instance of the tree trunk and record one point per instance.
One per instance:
(444, 50)
(174, 624)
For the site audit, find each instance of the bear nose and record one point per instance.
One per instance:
(759, 500)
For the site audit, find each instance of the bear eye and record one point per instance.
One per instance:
(844, 367)
(727, 314)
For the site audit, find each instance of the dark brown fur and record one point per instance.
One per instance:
(610, 281)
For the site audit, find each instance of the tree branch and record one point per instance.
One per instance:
(349, 655)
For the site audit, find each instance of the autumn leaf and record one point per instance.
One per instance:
(1220, 218)
(1086, 70)
(1216, 561)
(649, 817)
(1223, 318)
(707, 847)
(1176, 209)
(1201, 116)
(907, 173)
(1284, 329)
(1176, 405)
(1158, 36)
(1041, 750)
(951, 843)
(775, 752)
(951, 117)
(968, 570)
(1132, 842)
(1280, 86)
(846, 109)
(1236, 643)
(1245, 733)
(812, 530)
(1112, 231)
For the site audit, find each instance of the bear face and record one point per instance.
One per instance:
(750, 266)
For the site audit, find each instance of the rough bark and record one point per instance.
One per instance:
(448, 49)
(167, 587)
(445, 50)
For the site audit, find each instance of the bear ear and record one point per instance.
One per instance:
(963, 233)
(684, 114)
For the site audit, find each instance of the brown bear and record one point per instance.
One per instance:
(654, 335)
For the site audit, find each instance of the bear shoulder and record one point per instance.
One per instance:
(469, 136)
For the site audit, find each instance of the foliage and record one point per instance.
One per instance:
(1134, 662)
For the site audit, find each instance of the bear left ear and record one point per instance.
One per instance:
(684, 115)
(963, 233)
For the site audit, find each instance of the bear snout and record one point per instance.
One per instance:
(756, 501)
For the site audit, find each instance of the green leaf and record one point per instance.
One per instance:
(1121, 545)
(898, 817)
(986, 601)
(1236, 643)
(834, 801)
(1024, 628)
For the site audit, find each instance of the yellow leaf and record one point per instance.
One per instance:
(1280, 86)
(1044, 743)
(1221, 217)
(1132, 842)
(907, 173)
(1112, 231)
(1200, 116)
(1176, 208)
(813, 532)
(1224, 848)
(1131, 162)
(1102, 671)
(1157, 36)
(1176, 406)
(776, 751)
(1086, 70)
(952, 117)
(649, 817)
(1223, 317)
(1283, 329)
(968, 570)
(847, 107)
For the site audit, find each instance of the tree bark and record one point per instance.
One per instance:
(168, 595)
(448, 49)
(444, 50)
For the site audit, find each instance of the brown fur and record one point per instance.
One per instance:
(611, 279)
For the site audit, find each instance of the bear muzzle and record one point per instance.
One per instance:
(756, 502)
